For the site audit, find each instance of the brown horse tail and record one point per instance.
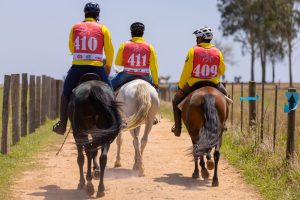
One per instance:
(143, 102)
(209, 133)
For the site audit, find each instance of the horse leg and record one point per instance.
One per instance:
(215, 182)
(96, 169)
(103, 161)
(196, 170)
(137, 158)
(204, 171)
(148, 127)
(119, 144)
(80, 162)
(210, 163)
(89, 186)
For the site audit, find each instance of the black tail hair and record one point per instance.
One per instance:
(209, 133)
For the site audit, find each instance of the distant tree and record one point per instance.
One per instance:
(227, 52)
(239, 20)
(289, 16)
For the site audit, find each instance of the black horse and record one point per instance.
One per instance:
(96, 122)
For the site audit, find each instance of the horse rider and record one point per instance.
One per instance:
(138, 59)
(203, 66)
(86, 42)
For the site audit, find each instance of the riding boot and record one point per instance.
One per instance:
(222, 89)
(60, 126)
(176, 129)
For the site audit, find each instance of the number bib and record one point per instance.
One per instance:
(206, 62)
(136, 58)
(88, 41)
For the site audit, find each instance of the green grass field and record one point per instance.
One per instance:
(260, 166)
(23, 156)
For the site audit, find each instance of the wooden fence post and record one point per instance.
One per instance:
(5, 116)
(48, 97)
(43, 98)
(290, 145)
(262, 113)
(275, 118)
(24, 118)
(38, 102)
(32, 104)
(242, 95)
(252, 105)
(58, 94)
(15, 107)
(53, 98)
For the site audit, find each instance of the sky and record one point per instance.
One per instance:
(34, 34)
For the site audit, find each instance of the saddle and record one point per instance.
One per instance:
(89, 77)
(131, 79)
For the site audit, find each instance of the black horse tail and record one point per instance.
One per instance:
(106, 116)
(210, 132)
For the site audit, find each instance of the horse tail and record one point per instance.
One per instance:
(143, 102)
(106, 117)
(209, 133)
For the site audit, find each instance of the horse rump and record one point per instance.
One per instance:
(96, 112)
(210, 132)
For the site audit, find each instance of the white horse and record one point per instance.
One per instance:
(139, 103)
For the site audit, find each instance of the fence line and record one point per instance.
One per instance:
(44, 93)
(260, 127)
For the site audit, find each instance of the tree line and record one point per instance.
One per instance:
(266, 29)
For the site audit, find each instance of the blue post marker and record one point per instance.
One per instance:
(249, 98)
(292, 98)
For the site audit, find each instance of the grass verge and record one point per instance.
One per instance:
(267, 171)
(23, 156)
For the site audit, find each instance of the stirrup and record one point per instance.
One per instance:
(59, 128)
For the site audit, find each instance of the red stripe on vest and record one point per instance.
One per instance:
(206, 62)
(136, 57)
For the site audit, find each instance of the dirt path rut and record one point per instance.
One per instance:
(168, 174)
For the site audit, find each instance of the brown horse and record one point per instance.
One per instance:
(204, 114)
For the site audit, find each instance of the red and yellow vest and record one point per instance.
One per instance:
(136, 58)
(88, 40)
(206, 62)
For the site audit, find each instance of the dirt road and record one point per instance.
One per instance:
(168, 174)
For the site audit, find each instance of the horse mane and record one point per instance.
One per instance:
(95, 101)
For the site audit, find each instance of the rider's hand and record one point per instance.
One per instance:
(179, 92)
(107, 69)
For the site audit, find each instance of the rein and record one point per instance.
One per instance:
(63, 142)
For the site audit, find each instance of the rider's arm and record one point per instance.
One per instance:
(153, 66)
(108, 47)
(222, 66)
(187, 69)
(71, 44)
(119, 58)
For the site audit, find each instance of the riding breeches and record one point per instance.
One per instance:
(75, 73)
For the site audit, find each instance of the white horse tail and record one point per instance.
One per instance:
(143, 102)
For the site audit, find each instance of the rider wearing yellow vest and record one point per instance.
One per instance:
(203, 66)
(138, 59)
(86, 42)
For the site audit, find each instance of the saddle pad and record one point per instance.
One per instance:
(180, 105)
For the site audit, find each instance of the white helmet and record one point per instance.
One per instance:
(204, 32)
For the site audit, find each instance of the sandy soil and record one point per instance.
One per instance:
(168, 174)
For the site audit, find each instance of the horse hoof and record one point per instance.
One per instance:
(90, 189)
(204, 174)
(135, 167)
(100, 194)
(141, 174)
(96, 174)
(210, 165)
(195, 175)
(215, 183)
(80, 186)
(117, 164)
